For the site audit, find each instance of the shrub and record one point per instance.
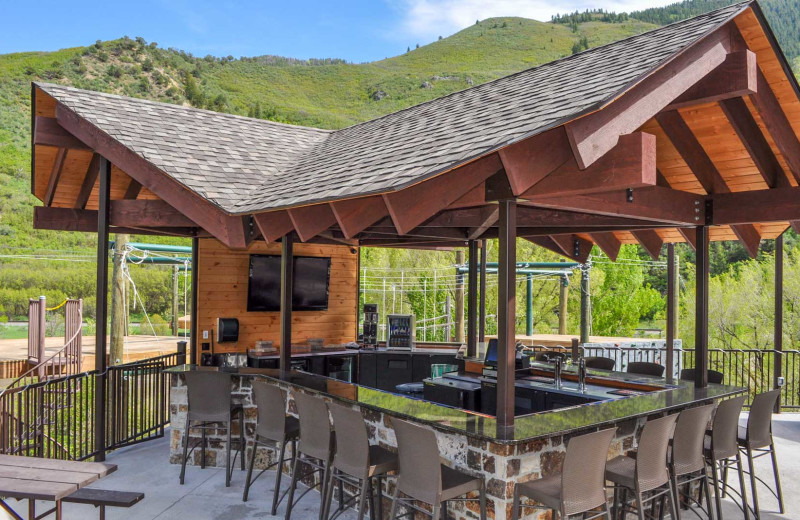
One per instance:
(159, 326)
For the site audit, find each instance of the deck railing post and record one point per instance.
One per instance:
(506, 316)
(778, 339)
(287, 283)
(104, 194)
(42, 325)
(701, 310)
(472, 299)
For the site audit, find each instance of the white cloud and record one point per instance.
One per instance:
(428, 19)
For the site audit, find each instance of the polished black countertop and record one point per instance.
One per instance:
(526, 427)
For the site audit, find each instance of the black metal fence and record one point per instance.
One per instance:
(750, 368)
(55, 418)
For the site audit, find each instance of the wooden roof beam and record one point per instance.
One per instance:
(576, 248)
(491, 216)
(122, 213)
(608, 243)
(736, 77)
(690, 235)
(769, 108)
(310, 221)
(55, 176)
(356, 215)
(133, 190)
(630, 164)
(774, 205)
(548, 243)
(415, 204)
(47, 132)
(274, 225)
(531, 160)
(89, 181)
(650, 241)
(593, 135)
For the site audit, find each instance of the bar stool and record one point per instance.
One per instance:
(714, 377)
(757, 438)
(315, 448)
(721, 451)
(356, 462)
(687, 463)
(274, 430)
(602, 363)
(210, 403)
(422, 477)
(646, 368)
(580, 487)
(647, 473)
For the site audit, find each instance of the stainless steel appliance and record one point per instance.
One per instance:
(400, 331)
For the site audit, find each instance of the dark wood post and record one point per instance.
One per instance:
(701, 310)
(778, 355)
(586, 312)
(104, 194)
(459, 298)
(671, 312)
(194, 327)
(472, 299)
(287, 283)
(482, 304)
(506, 315)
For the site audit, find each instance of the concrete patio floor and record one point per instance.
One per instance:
(145, 467)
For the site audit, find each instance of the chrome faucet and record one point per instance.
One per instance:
(582, 375)
(557, 373)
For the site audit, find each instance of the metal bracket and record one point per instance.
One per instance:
(709, 220)
(576, 248)
(629, 194)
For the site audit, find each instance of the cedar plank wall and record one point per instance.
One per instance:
(222, 292)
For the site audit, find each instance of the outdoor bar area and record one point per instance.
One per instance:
(685, 134)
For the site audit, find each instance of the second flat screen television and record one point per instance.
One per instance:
(310, 291)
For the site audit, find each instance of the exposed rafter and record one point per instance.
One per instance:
(355, 215)
(133, 190)
(736, 77)
(48, 132)
(310, 221)
(273, 225)
(650, 241)
(89, 180)
(55, 176)
(608, 243)
(769, 108)
(529, 161)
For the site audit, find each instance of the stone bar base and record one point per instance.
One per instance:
(499, 464)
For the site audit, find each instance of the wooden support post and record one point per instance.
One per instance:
(778, 356)
(482, 305)
(175, 300)
(701, 310)
(586, 311)
(529, 305)
(472, 304)
(118, 332)
(671, 311)
(459, 298)
(194, 327)
(287, 283)
(506, 316)
(104, 196)
(563, 298)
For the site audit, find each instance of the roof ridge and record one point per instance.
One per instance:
(549, 63)
(45, 85)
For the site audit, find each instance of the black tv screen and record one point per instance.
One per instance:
(310, 291)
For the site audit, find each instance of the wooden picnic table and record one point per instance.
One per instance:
(50, 480)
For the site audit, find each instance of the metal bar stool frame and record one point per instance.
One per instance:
(692, 424)
(719, 440)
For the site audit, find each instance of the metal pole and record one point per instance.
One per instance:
(563, 298)
(482, 305)
(506, 316)
(778, 356)
(671, 312)
(701, 310)
(447, 311)
(194, 327)
(472, 304)
(287, 283)
(529, 305)
(175, 301)
(104, 194)
(40, 346)
(586, 315)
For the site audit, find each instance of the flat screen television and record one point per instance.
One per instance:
(311, 280)
(491, 353)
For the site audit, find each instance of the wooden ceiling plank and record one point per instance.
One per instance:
(355, 215)
(736, 77)
(415, 204)
(310, 221)
(630, 164)
(47, 132)
(593, 135)
(746, 127)
(274, 225)
(774, 118)
(55, 176)
(89, 181)
(530, 160)
(608, 243)
(650, 241)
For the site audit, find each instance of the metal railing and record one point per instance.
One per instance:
(749, 368)
(54, 418)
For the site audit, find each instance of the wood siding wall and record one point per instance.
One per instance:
(222, 292)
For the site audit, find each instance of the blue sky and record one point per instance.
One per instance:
(357, 30)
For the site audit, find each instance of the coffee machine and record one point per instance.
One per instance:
(370, 325)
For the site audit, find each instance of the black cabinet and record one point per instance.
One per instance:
(526, 400)
(459, 394)
(554, 400)
(368, 369)
(392, 370)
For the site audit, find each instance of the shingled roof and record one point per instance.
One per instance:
(249, 165)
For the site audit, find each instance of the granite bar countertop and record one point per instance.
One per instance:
(526, 427)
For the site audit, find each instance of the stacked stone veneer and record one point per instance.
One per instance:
(499, 464)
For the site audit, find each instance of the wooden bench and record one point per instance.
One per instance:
(103, 498)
